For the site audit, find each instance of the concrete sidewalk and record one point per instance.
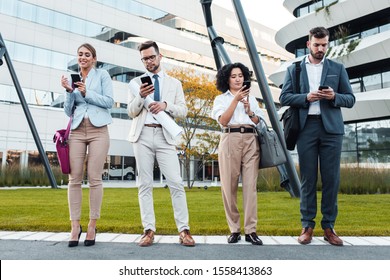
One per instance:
(199, 239)
(111, 246)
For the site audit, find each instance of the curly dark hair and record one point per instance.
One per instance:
(223, 75)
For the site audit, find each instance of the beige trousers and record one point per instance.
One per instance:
(239, 155)
(93, 143)
(150, 145)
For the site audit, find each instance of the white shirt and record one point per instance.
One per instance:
(223, 101)
(314, 72)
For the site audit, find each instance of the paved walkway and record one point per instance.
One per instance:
(173, 239)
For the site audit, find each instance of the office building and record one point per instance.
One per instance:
(360, 39)
(42, 37)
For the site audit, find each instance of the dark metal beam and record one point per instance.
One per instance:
(215, 40)
(288, 175)
(4, 53)
(292, 177)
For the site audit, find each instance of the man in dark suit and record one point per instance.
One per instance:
(324, 89)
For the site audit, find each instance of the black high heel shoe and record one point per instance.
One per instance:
(74, 243)
(89, 242)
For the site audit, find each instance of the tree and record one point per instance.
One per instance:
(199, 139)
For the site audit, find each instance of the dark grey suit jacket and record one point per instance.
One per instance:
(333, 75)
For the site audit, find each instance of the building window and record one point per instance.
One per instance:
(372, 82)
(386, 79)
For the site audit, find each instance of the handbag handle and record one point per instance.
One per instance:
(67, 132)
(261, 119)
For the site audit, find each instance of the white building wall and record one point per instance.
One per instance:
(14, 131)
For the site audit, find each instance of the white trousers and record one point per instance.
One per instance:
(150, 145)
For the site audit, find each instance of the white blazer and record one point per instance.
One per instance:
(171, 93)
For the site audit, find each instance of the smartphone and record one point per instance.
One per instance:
(75, 78)
(147, 80)
(247, 84)
(322, 87)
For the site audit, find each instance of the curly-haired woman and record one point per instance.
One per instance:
(237, 112)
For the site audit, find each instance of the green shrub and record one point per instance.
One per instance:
(353, 181)
(268, 180)
(364, 180)
(33, 176)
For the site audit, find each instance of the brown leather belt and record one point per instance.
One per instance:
(241, 129)
(153, 125)
(315, 117)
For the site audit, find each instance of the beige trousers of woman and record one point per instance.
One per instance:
(91, 142)
(239, 154)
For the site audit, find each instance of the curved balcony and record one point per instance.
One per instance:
(372, 106)
(334, 15)
(369, 49)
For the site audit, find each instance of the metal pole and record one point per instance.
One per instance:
(28, 114)
(266, 93)
(216, 41)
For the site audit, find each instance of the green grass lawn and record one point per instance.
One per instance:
(47, 210)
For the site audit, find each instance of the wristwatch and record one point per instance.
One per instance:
(252, 115)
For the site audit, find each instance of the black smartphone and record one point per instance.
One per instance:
(146, 80)
(75, 78)
(322, 87)
(247, 84)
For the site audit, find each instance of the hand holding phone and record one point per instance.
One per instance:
(322, 87)
(75, 78)
(247, 84)
(146, 80)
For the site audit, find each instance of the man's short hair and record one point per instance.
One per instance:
(318, 32)
(147, 45)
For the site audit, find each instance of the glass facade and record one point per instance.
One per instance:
(119, 168)
(51, 18)
(312, 6)
(367, 143)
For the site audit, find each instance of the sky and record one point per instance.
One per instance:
(271, 13)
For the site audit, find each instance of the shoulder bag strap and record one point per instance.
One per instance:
(67, 132)
(297, 76)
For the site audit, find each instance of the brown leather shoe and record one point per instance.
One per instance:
(306, 236)
(331, 236)
(147, 238)
(186, 239)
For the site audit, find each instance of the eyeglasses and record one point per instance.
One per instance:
(151, 58)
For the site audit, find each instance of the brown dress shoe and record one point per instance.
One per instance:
(306, 236)
(147, 238)
(186, 239)
(331, 236)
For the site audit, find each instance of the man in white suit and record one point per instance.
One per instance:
(150, 140)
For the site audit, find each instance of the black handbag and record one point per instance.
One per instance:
(271, 151)
(290, 117)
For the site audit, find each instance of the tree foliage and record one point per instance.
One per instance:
(199, 139)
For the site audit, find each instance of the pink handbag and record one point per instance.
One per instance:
(61, 140)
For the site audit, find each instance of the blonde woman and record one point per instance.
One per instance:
(90, 101)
